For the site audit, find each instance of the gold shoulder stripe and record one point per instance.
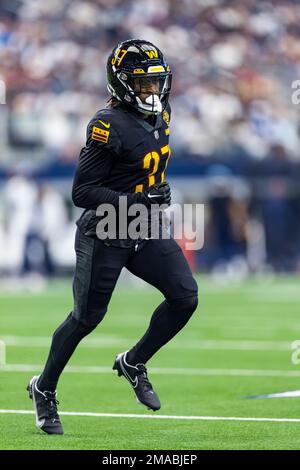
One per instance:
(100, 134)
(165, 149)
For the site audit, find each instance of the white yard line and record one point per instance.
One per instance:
(45, 341)
(107, 341)
(161, 371)
(138, 416)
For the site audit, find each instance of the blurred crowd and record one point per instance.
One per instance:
(233, 64)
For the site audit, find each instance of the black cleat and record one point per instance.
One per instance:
(45, 405)
(137, 377)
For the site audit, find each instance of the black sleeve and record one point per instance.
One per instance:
(96, 159)
(169, 110)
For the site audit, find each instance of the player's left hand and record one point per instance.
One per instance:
(159, 193)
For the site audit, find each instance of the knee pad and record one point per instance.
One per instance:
(191, 303)
(80, 328)
(90, 320)
(185, 306)
(181, 287)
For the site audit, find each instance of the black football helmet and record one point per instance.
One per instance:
(139, 76)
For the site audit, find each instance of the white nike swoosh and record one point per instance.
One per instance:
(134, 382)
(40, 423)
(154, 195)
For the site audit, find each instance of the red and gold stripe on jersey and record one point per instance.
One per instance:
(100, 135)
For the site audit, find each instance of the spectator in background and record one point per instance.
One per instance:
(35, 219)
(236, 72)
(228, 214)
(279, 207)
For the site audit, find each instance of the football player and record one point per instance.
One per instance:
(126, 155)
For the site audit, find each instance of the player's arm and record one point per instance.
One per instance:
(93, 167)
(96, 160)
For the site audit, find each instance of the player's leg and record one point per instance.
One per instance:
(162, 264)
(97, 269)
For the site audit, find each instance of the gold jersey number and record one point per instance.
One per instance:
(151, 159)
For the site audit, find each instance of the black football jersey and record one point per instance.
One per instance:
(124, 154)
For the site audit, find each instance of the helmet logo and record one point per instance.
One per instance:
(150, 50)
(153, 54)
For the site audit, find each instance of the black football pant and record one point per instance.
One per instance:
(161, 263)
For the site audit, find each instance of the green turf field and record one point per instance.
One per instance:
(237, 344)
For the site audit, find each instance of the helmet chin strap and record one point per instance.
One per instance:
(152, 105)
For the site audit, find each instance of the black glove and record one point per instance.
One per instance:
(159, 193)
